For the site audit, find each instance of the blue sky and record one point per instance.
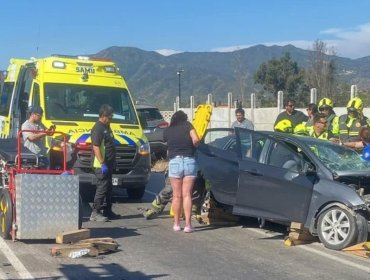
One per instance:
(39, 28)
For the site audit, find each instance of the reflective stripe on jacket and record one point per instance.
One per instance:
(96, 162)
(323, 136)
(349, 127)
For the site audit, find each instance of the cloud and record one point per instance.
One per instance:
(351, 42)
(298, 43)
(331, 31)
(167, 52)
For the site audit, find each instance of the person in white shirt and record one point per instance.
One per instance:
(33, 141)
(241, 120)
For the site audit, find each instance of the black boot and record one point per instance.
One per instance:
(111, 215)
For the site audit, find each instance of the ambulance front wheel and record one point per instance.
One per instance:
(6, 214)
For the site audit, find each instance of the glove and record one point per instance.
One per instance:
(104, 169)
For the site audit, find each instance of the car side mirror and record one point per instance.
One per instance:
(309, 169)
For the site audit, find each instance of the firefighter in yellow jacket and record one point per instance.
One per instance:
(325, 106)
(348, 125)
(319, 128)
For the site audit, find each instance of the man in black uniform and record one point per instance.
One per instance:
(290, 113)
(104, 153)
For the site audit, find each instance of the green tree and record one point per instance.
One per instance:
(241, 77)
(322, 70)
(283, 74)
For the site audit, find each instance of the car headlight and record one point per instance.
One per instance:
(144, 149)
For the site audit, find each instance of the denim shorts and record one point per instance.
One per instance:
(180, 167)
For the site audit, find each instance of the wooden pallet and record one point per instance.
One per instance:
(75, 244)
(298, 235)
(217, 216)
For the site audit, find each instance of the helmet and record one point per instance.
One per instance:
(284, 125)
(300, 129)
(355, 104)
(366, 153)
(325, 103)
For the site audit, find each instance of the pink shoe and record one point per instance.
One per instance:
(176, 228)
(188, 229)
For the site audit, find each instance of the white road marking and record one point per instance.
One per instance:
(15, 262)
(315, 251)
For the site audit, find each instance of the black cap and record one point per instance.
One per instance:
(323, 107)
(351, 109)
(35, 109)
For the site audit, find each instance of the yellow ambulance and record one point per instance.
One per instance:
(71, 90)
(6, 96)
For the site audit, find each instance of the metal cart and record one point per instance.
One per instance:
(36, 202)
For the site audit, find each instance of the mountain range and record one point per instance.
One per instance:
(152, 77)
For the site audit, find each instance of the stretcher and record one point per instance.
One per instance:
(202, 118)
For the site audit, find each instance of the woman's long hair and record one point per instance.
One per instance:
(178, 118)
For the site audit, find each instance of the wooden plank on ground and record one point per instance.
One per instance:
(74, 250)
(102, 247)
(100, 239)
(360, 253)
(72, 236)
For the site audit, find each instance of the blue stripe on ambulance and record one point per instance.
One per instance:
(141, 141)
(129, 141)
(82, 138)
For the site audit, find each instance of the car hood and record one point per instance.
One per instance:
(359, 180)
(352, 173)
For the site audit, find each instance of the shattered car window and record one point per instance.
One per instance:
(223, 140)
(251, 144)
(338, 158)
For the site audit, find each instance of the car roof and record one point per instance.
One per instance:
(144, 106)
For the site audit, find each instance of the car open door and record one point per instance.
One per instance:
(217, 156)
(273, 186)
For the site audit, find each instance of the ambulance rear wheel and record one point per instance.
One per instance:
(6, 214)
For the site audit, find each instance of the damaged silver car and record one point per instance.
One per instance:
(287, 178)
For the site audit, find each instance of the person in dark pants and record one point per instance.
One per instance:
(165, 196)
(104, 153)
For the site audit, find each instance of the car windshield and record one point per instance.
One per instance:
(337, 158)
(82, 103)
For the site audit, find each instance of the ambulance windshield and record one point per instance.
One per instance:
(81, 103)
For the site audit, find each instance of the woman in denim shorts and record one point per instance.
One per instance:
(181, 139)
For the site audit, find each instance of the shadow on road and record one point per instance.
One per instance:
(105, 271)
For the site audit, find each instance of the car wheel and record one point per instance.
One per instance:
(136, 193)
(338, 228)
(363, 230)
